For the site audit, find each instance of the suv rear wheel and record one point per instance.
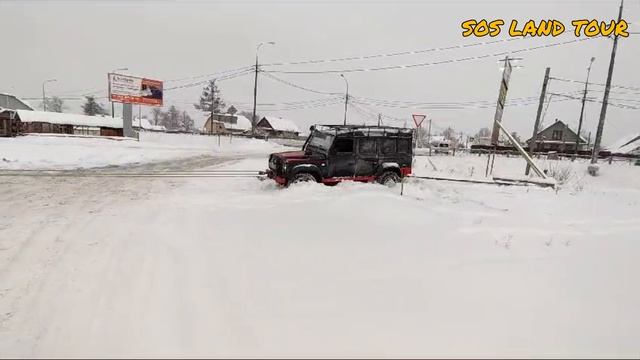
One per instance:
(303, 177)
(389, 178)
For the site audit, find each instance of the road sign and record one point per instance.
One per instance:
(502, 97)
(418, 119)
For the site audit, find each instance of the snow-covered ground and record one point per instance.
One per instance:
(59, 152)
(238, 267)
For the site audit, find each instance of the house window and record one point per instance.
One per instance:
(557, 135)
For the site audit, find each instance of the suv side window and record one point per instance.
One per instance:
(387, 146)
(404, 146)
(367, 146)
(343, 145)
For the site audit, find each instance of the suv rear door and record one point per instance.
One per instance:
(342, 160)
(367, 156)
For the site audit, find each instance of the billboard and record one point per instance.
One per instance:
(135, 90)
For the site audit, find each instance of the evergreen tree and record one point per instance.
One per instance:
(91, 107)
(210, 98)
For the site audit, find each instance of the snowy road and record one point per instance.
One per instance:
(219, 267)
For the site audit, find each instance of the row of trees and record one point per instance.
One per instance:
(173, 119)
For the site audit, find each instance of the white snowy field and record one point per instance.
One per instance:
(59, 152)
(241, 268)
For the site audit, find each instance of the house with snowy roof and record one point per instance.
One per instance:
(65, 123)
(277, 127)
(146, 125)
(12, 102)
(558, 137)
(226, 124)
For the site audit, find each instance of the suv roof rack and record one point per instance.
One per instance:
(368, 129)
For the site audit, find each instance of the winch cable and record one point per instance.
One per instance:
(150, 174)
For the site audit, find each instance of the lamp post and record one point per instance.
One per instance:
(346, 98)
(255, 87)
(112, 107)
(584, 98)
(44, 97)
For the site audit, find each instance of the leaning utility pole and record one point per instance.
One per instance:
(429, 137)
(536, 126)
(605, 100)
(584, 99)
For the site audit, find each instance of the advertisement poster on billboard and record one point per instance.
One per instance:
(135, 90)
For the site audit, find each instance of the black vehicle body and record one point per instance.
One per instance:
(333, 153)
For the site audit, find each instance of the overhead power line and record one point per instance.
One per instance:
(393, 54)
(271, 76)
(441, 62)
(597, 84)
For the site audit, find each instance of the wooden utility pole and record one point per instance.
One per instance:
(536, 126)
(429, 137)
(379, 119)
(605, 100)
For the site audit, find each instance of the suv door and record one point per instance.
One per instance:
(387, 150)
(342, 160)
(367, 156)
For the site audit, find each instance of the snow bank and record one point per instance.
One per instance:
(55, 152)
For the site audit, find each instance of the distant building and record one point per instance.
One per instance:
(629, 145)
(147, 126)
(558, 137)
(11, 102)
(64, 123)
(227, 124)
(277, 127)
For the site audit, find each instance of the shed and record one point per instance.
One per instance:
(278, 127)
(63, 123)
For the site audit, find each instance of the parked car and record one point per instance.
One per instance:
(333, 153)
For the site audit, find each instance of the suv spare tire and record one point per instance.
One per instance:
(389, 178)
(303, 177)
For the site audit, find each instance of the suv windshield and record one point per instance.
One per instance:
(320, 140)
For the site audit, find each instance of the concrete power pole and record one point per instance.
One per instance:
(536, 126)
(605, 100)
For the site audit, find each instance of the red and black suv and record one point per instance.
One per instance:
(333, 153)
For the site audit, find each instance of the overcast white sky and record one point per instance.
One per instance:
(78, 42)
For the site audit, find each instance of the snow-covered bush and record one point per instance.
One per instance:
(560, 172)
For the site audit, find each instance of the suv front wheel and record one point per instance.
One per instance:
(389, 178)
(303, 177)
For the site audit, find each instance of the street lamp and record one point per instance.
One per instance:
(584, 98)
(112, 107)
(44, 98)
(346, 98)
(255, 86)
